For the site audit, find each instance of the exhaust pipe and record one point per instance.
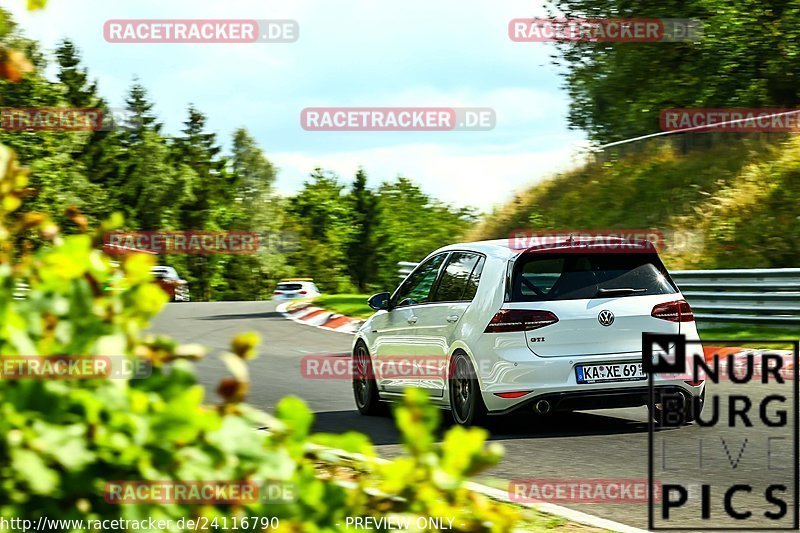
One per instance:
(542, 407)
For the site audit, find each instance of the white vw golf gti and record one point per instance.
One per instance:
(554, 327)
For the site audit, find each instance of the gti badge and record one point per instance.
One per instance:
(606, 317)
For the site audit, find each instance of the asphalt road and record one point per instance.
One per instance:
(599, 445)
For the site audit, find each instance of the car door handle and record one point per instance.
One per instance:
(412, 320)
(452, 318)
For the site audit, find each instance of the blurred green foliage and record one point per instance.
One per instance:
(62, 440)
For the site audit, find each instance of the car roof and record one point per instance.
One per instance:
(495, 248)
(510, 248)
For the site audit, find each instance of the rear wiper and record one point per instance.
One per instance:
(620, 290)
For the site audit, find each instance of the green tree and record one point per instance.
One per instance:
(80, 91)
(60, 180)
(361, 249)
(198, 149)
(410, 225)
(254, 207)
(101, 152)
(207, 188)
(321, 217)
(140, 116)
(145, 186)
(742, 60)
(252, 171)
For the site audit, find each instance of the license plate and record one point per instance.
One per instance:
(610, 372)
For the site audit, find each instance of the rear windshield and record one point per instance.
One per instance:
(289, 286)
(575, 276)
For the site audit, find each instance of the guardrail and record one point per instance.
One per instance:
(763, 295)
(405, 268)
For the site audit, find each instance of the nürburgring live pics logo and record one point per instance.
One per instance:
(736, 467)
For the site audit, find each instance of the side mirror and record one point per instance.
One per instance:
(379, 301)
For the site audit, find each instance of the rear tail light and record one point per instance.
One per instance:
(276, 292)
(677, 311)
(520, 320)
(303, 292)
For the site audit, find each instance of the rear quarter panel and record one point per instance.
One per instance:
(468, 335)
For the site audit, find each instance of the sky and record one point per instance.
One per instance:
(350, 53)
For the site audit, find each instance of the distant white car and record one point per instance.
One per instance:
(294, 288)
(551, 328)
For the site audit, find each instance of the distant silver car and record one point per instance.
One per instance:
(547, 328)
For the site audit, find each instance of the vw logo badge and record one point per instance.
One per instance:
(606, 317)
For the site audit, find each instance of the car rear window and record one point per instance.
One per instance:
(289, 286)
(574, 276)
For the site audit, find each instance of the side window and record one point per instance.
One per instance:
(474, 280)
(417, 288)
(456, 284)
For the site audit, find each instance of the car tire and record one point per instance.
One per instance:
(466, 401)
(688, 411)
(365, 389)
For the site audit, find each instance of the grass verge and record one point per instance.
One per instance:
(354, 305)
(530, 519)
(750, 332)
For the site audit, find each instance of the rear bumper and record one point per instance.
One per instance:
(587, 400)
(507, 365)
